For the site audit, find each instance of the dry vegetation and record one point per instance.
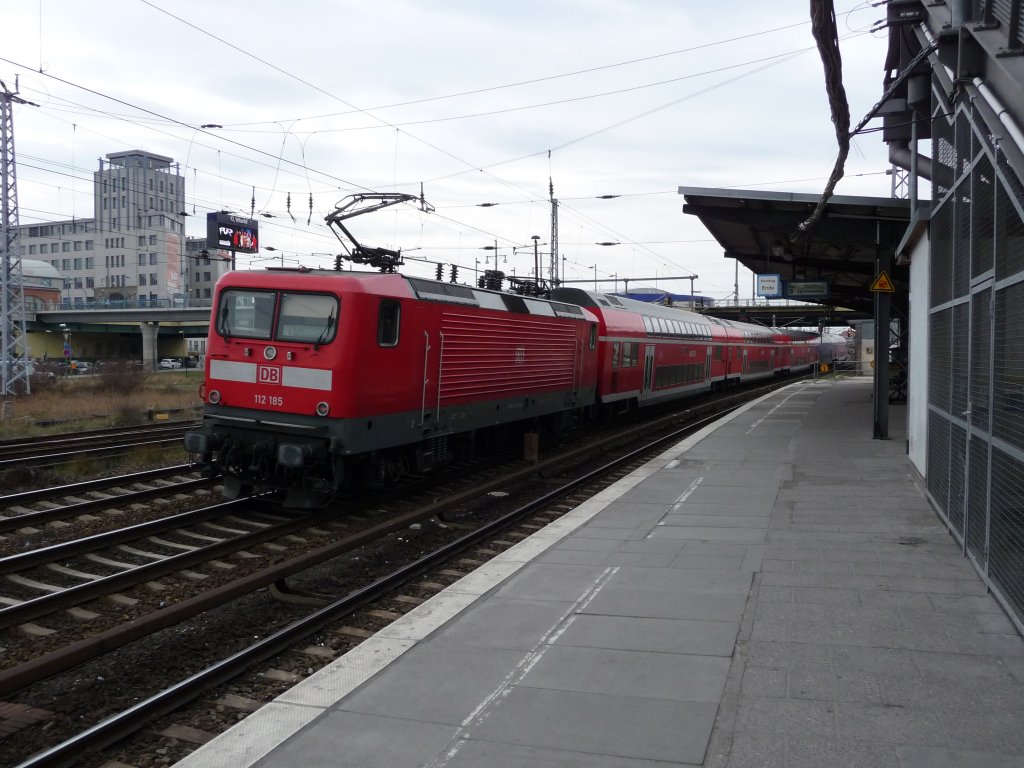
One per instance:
(120, 394)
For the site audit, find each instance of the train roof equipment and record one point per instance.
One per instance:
(383, 259)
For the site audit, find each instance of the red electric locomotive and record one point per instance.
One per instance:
(313, 377)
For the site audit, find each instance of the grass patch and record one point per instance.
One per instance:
(119, 396)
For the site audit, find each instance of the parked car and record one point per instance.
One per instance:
(81, 367)
(170, 362)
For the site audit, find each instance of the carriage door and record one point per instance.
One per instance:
(648, 369)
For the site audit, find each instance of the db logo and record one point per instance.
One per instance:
(268, 374)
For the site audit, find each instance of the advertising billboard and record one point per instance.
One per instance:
(232, 232)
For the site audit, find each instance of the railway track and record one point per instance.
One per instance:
(51, 450)
(370, 584)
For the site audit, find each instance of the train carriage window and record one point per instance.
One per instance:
(593, 336)
(648, 324)
(615, 354)
(388, 318)
(629, 354)
(310, 318)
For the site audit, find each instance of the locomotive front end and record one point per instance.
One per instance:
(268, 394)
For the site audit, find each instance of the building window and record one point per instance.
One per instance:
(90, 282)
(78, 245)
(153, 278)
(88, 245)
(142, 279)
(66, 246)
(78, 282)
(31, 250)
(152, 258)
(142, 239)
(142, 259)
(78, 263)
(152, 239)
(66, 264)
(206, 276)
(90, 262)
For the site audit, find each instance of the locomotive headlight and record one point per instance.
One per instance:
(269, 352)
(214, 396)
(322, 409)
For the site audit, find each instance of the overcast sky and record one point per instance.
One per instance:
(325, 98)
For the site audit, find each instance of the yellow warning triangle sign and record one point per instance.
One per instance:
(883, 284)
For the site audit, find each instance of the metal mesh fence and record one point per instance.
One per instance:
(977, 502)
(1006, 536)
(938, 466)
(941, 264)
(1008, 367)
(1009, 233)
(983, 217)
(975, 359)
(940, 358)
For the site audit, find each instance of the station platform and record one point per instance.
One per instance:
(774, 592)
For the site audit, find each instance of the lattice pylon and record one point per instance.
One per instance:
(14, 370)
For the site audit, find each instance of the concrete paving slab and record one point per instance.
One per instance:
(708, 638)
(550, 582)
(919, 756)
(685, 519)
(649, 729)
(707, 508)
(480, 754)
(504, 623)
(574, 557)
(707, 533)
(676, 581)
(642, 603)
(435, 683)
(671, 676)
(689, 560)
(354, 740)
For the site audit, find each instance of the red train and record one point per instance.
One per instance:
(316, 378)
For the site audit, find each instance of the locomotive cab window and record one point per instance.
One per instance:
(593, 336)
(246, 314)
(387, 323)
(310, 318)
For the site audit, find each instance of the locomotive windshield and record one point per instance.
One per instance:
(301, 317)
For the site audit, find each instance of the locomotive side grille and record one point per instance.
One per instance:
(530, 354)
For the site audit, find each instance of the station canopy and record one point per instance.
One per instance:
(841, 249)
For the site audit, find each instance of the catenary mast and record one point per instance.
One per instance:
(14, 371)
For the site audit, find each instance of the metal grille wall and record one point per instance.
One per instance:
(975, 472)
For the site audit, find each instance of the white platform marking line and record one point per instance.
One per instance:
(522, 668)
(678, 502)
(781, 403)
